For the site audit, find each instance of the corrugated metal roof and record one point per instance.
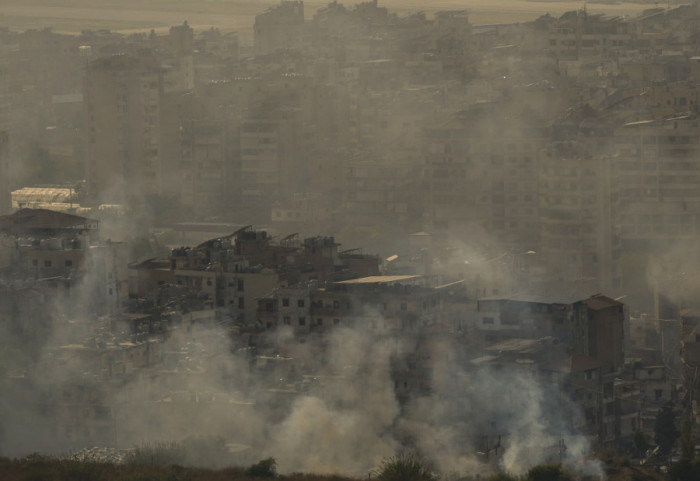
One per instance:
(537, 298)
(575, 363)
(42, 194)
(601, 302)
(378, 279)
(517, 345)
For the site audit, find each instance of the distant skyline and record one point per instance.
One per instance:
(134, 16)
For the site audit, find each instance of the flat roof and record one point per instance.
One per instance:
(378, 279)
(537, 299)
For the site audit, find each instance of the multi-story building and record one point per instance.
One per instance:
(580, 243)
(64, 253)
(481, 178)
(280, 27)
(122, 118)
(5, 197)
(592, 327)
(270, 163)
(656, 169)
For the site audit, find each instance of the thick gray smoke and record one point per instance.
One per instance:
(347, 418)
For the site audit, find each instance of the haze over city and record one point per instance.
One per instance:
(325, 235)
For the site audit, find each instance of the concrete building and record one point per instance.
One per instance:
(481, 177)
(270, 163)
(280, 27)
(63, 253)
(5, 197)
(122, 118)
(580, 241)
(593, 327)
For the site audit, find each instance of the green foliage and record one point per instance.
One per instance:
(685, 470)
(640, 443)
(545, 472)
(687, 441)
(407, 466)
(265, 468)
(503, 476)
(156, 454)
(209, 451)
(665, 432)
(156, 476)
(79, 471)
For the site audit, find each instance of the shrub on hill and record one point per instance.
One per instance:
(406, 467)
(265, 468)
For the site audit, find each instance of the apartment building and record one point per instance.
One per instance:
(122, 105)
(62, 252)
(481, 177)
(580, 241)
(280, 27)
(593, 327)
(5, 197)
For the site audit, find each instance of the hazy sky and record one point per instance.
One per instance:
(131, 15)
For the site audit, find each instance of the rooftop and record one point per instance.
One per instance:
(379, 279)
(27, 220)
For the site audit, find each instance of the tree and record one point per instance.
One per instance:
(687, 441)
(503, 476)
(665, 431)
(640, 443)
(545, 472)
(265, 468)
(685, 470)
(408, 466)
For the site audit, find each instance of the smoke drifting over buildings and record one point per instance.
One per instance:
(354, 234)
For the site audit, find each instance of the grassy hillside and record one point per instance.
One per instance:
(39, 468)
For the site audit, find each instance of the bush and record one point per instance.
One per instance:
(265, 468)
(206, 452)
(156, 454)
(406, 467)
(545, 472)
(503, 476)
(685, 470)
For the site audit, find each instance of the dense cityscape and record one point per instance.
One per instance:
(356, 233)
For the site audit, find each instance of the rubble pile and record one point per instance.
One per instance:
(99, 454)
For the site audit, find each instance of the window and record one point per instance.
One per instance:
(300, 303)
(487, 320)
(336, 304)
(239, 284)
(319, 321)
(302, 321)
(69, 263)
(47, 263)
(241, 303)
(336, 322)
(35, 262)
(404, 307)
(286, 320)
(285, 302)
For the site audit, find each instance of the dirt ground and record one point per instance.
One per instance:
(71, 16)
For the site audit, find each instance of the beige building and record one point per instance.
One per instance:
(63, 252)
(280, 27)
(5, 198)
(122, 109)
(481, 177)
(580, 242)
